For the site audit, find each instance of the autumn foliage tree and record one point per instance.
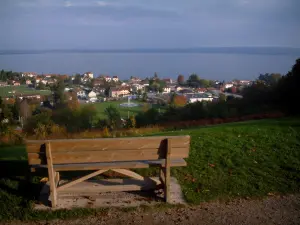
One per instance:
(180, 79)
(179, 100)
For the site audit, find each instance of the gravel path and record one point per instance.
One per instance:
(272, 210)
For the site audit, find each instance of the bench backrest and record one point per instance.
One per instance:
(68, 151)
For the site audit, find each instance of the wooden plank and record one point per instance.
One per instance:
(167, 171)
(114, 165)
(129, 173)
(106, 156)
(53, 193)
(108, 144)
(71, 183)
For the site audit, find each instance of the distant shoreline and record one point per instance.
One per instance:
(206, 50)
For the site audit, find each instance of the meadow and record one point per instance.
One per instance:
(22, 89)
(124, 111)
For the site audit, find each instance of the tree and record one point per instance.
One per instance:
(180, 79)
(287, 92)
(270, 79)
(194, 77)
(144, 98)
(222, 97)
(58, 93)
(114, 117)
(204, 83)
(41, 86)
(131, 122)
(179, 100)
(155, 75)
(193, 80)
(77, 79)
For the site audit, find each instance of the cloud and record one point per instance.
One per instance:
(102, 3)
(68, 4)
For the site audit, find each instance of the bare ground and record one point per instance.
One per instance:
(272, 210)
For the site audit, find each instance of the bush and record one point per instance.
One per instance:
(37, 121)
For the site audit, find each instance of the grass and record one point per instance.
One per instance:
(245, 159)
(100, 107)
(23, 89)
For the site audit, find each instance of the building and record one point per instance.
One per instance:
(106, 78)
(115, 78)
(168, 81)
(92, 94)
(244, 82)
(16, 83)
(185, 91)
(30, 96)
(136, 87)
(118, 91)
(29, 74)
(201, 90)
(228, 85)
(98, 82)
(135, 80)
(89, 75)
(199, 98)
(99, 90)
(166, 89)
(28, 81)
(3, 84)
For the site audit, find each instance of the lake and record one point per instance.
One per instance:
(219, 66)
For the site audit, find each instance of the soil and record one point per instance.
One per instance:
(272, 210)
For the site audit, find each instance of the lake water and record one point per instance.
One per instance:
(209, 66)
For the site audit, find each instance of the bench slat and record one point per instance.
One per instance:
(108, 144)
(106, 156)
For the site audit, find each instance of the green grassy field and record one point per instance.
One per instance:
(23, 89)
(100, 107)
(246, 159)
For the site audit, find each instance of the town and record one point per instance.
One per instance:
(90, 89)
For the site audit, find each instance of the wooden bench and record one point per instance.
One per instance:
(116, 154)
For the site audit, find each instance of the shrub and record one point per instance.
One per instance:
(36, 122)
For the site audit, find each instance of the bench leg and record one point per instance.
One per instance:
(53, 192)
(168, 171)
(51, 174)
(167, 185)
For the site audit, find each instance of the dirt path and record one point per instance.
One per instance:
(273, 210)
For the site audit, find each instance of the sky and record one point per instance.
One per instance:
(123, 24)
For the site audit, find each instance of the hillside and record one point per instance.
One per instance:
(246, 159)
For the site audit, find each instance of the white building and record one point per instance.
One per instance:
(106, 78)
(29, 74)
(115, 78)
(136, 87)
(92, 94)
(199, 98)
(89, 74)
(229, 85)
(166, 90)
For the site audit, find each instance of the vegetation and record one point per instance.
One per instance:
(100, 107)
(10, 91)
(245, 159)
(269, 93)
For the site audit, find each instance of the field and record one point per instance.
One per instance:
(23, 89)
(246, 159)
(100, 107)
